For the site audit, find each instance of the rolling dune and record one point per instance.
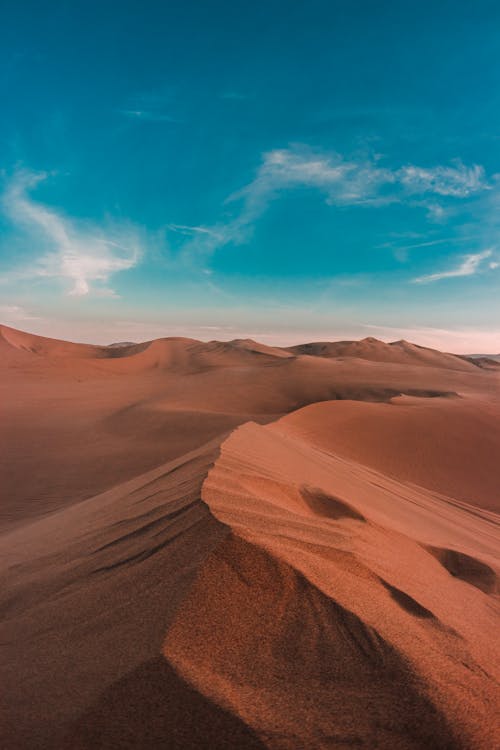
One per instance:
(229, 545)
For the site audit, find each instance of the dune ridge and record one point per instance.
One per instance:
(401, 352)
(350, 548)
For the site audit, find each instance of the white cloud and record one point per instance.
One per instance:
(402, 252)
(78, 253)
(469, 266)
(343, 182)
(458, 181)
(436, 212)
(193, 230)
(351, 182)
(429, 243)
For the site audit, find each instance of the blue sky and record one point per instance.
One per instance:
(287, 171)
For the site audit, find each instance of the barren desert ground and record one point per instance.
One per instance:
(231, 545)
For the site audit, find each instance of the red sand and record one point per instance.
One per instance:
(330, 580)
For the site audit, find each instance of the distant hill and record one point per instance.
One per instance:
(494, 357)
(397, 352)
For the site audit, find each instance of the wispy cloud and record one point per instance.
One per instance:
(402, 252)
(189, 231)
(151, 106)
(432, 243)
(458, 181)
(79, 253)
(343, 182)
(468, 267)
(436, 212)
(351, 182)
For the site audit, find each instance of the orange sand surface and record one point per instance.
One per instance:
(229, 545)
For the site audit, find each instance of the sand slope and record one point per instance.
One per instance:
(449, 445)
(329, 618)
(88, 592)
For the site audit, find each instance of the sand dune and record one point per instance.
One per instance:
(359, 615)
(402, 352)
(449, 445)
(76, 421)
(230, 545)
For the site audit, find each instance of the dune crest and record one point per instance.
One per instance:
(354, 584)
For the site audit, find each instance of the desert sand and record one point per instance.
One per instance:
(229, 545)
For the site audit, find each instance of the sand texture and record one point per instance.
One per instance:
(230, 545)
